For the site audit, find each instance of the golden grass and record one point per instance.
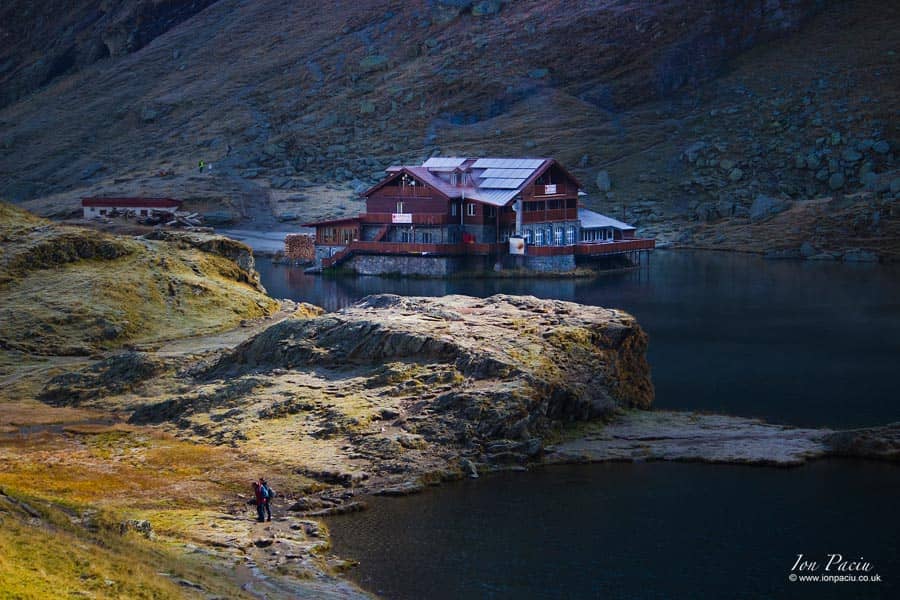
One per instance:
(72, 550)
(39, 564)
(157, 291)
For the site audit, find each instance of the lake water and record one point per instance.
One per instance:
(803, 343)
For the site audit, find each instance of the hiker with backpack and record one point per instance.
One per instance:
(260, 501)
(267, 493)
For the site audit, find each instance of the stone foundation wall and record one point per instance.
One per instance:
(550, 264)
(423, 266)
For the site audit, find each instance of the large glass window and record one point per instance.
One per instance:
(538, 237)
(558, 240)
(570, 235)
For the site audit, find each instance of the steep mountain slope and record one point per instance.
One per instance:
(288, 97)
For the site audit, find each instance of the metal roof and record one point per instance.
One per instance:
(507, 173)
(494, 181)
(443, 162)
(508, 163)
(495, 197)
(502, 184)
(592, 220)
(131, 202)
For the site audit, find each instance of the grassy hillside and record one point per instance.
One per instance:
(69, 290)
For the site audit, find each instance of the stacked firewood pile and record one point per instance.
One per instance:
(300, 247)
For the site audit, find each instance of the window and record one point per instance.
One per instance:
(538, 237)
(453, 209)
(491, 211)
(558, 240)
(548, 236)
(426, 237)
(570, 235)
(529, 236)
(399, 207)
(470, 209)
(453, 178)
(405, 236)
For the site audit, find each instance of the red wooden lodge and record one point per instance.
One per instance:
(454, 211)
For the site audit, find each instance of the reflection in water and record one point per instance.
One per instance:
(655, 530)
(806, 343)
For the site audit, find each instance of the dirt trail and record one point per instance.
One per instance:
(222, 340)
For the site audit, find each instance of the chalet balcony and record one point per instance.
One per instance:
(407, 191)
(553, 214)
(554, 190)
(417, 219)
(417, 248)
(592, 248)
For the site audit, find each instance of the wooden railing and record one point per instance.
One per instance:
(338, 258)
(404, 248)
(555, 214)
(417, 248)
(406, 191)
(562, 189)
(417, 218)
(592, 248)
(616, 247)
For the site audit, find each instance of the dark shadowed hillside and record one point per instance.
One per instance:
(717, 123)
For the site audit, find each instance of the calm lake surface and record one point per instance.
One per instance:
(803, 343)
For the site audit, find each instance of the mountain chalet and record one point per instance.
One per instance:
(452, 214)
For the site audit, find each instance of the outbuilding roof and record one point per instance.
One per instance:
(592, 220)
(131, 202)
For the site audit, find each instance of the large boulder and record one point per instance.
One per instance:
(764, 207)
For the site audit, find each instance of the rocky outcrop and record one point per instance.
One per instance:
(873, 442)
(682, 436)
(239, 253)
(519, 363)
(114, 375)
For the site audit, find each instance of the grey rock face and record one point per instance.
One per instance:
(604, 184)
(875, 442)
(860, 256)
(836, 181)
(766, 206)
